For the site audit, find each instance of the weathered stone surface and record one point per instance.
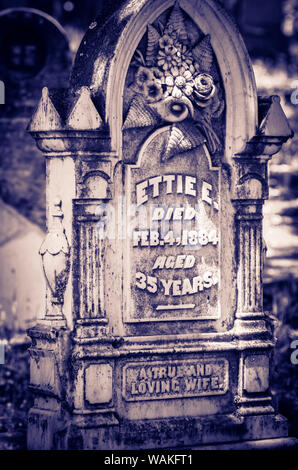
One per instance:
(174, 251)
(256, 374)
(42, 371)
(98, 383)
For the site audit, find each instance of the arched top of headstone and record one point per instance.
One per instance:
(109, 49)
(15, 11)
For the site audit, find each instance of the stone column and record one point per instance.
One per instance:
(88, 276)
(251, 191)
(253, 395)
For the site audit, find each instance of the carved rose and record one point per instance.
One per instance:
(204, 88)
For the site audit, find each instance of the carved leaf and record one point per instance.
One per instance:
(203, 54)
(176, 21)
(54, 243)
(139, 115)
(152, 45)
(213, 142)
(183, 137)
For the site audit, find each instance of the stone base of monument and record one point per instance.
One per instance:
(190, 433)
(190, 400)
(102, 432)
(262, 444)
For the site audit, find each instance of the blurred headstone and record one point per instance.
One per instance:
(260, 23)
(21, 279)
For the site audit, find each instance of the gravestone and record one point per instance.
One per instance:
(154, 334)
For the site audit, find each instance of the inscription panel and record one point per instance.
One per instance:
(173, 250)
(175, 379)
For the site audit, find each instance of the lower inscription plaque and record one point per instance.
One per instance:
(175, 379)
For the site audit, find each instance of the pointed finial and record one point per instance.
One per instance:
(84, 115)
(46, 117)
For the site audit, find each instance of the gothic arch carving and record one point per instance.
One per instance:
(104, 68)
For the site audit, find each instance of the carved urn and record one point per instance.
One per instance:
(55, 252)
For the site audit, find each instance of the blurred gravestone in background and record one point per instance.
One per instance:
(269, 29)
(260, 24)
(35, 51)
(21, 280)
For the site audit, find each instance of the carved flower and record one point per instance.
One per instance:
(204, 88)
(142, 76)
(180, 82)
(148, 83)
(167, 58)
(165, 41)
(153, 91)
(170, 28)
(184, 55)
(175, 31)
